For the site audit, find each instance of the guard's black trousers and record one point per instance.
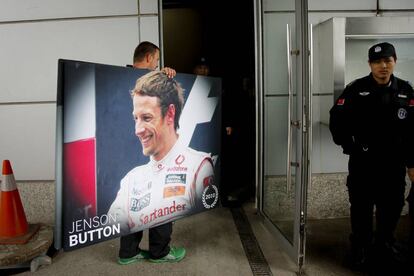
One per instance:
(379, 186)
(410, 200)
(159, 239)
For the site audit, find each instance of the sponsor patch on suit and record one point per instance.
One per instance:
(175, 178)
(138, 204)
(174, 191)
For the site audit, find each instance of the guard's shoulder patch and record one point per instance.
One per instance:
(340, 101)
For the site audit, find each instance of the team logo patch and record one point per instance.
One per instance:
(402, 113)
(174, 191)
(138, 204)
(209, 197)
(411, 102)
(340, 101)
(377, 49)
(175, 178)
(365, 93)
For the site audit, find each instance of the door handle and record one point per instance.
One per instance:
(290, 100)
(310, 106)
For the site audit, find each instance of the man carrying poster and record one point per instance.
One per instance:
(177, 180)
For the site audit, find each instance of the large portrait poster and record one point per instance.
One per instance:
(106, 185)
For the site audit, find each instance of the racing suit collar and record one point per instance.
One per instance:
(159, 165)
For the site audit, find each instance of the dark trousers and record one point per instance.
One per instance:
(372, 186)
(410, 200)
(159, 239)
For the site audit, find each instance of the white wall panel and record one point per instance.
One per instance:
(148, 6)
(149, 29)
(396, 4)
(397, 13)
(319, 17)
(28, 140)
(15, 10)
(331, 5)
(30, 51)
(278, 5)
(342, 5)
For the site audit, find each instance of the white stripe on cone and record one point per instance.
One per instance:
(8, 183)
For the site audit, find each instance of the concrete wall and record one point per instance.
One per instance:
(33, 36)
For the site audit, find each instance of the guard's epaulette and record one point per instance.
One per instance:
(352, 82)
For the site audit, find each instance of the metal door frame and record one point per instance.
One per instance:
(303, 76)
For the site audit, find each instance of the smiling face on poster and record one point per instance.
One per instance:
(139, 149)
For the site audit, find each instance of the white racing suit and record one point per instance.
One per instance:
(180, 184)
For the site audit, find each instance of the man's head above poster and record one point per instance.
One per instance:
(146, 55)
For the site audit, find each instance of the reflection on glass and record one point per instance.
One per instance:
(278, 195)
(279, 205)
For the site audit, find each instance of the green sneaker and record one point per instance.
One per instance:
(142, 255)
(176, 254)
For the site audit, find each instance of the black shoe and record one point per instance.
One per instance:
(359, 258)
(388, 259)
(395, 253)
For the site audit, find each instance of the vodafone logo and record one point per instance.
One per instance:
(179, 160)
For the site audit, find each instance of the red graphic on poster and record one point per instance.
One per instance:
(79, 174)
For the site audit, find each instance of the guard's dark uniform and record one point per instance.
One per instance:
(375, 127)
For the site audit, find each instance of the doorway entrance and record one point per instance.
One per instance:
(220, 35)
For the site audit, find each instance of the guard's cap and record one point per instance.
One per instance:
(381, 50)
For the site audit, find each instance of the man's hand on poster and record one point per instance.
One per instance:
(229, 130)
(169, 72)
(410, 172)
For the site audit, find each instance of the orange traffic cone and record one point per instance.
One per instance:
(13, 221)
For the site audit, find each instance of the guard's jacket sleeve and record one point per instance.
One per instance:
(340, 121)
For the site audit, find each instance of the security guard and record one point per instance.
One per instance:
(373, 121)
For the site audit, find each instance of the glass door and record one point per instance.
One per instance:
(282, 73)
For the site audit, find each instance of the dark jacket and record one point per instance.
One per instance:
(376, 121)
